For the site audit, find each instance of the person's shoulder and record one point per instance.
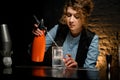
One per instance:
(88, 31)
(95, 36)
(58, 26)
(55, 26)
(91, 34)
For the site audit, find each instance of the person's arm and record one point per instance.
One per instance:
(38, 32)
(50, 36)
(93, 53)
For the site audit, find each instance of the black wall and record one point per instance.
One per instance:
(19, 18)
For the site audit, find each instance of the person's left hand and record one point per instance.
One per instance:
(70, 62)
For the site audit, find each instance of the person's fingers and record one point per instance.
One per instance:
(68, 55)
(37, 32)
(73, 64)
(69, 62)
(36, 25)
(63, 59)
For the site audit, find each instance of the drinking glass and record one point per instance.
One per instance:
(57, 56)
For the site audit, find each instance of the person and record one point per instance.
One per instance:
(80, 45)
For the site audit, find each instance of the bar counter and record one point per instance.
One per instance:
(45, 72)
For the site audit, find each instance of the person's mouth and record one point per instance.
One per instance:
(71, 25)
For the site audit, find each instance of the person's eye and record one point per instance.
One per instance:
(77, 16)
(68, 15)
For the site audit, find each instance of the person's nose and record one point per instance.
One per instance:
(71, 18)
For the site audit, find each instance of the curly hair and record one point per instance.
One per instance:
(84, 7)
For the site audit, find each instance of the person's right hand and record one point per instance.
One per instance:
(36, 31)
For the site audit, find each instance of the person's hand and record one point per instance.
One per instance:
(36, 31)
(70, 62)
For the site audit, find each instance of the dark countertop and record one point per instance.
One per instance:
(44, 72)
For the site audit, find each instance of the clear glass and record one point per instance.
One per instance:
(57, 56)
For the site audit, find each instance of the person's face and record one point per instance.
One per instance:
(73, 20)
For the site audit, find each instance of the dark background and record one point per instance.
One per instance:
(18, 15)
